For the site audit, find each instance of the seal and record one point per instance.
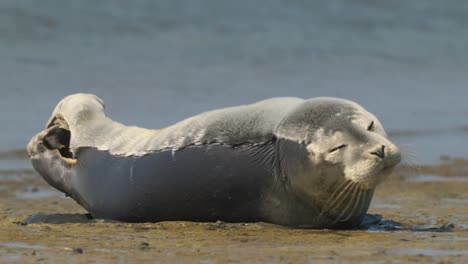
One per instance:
(302, 163)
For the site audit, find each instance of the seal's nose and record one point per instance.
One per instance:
(380, 152)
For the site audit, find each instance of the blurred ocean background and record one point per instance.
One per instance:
(157, 62)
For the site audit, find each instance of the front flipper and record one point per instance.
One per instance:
(370, 220)
(57, 138)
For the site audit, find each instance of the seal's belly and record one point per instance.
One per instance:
(196, 183)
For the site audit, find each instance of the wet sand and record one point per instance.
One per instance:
(425, 212)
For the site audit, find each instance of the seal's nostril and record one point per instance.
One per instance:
(380, 152)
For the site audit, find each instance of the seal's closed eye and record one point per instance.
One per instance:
(337, 148)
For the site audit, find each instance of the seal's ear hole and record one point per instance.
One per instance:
(59, 138)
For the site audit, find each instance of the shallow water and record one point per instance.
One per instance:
(433, 178)
(157, 62)
(35, 193)
(22, 245)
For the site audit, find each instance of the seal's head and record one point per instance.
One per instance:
(342, 135)
(345, 154)
(352, 138)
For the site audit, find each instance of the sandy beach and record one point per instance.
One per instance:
(156, 63)
(424, 209)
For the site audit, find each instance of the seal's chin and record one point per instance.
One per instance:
(369, 174)
(346, 206)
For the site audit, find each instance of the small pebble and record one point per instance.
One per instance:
(77, 250)
(219, 224)
(45, 228)
(143, 246)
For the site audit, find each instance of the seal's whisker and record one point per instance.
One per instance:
(370, 193)
(339, 213)
(362, 202)
(409, 156)
(356, 203)
(338, 189)
(339, 193)
(413, 165)
(347, 211)
(344, 202)
(336, 200)
(340, 198)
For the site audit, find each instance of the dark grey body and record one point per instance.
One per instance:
(157, 187)
(245, 183)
